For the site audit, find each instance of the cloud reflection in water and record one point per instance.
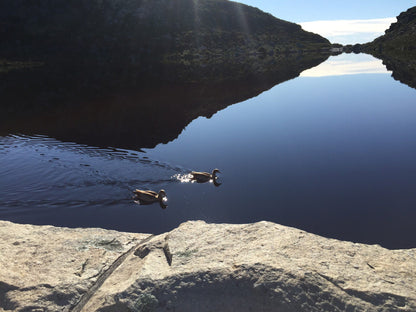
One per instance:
(347, 64)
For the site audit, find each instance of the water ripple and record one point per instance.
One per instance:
(41, 172)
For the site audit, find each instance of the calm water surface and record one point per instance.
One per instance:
(332, 152)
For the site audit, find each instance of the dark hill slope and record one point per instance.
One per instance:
(161, 37)
(397, 48)
(400, 38)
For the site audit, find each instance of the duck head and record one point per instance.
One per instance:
(214, 173)
(161, 195)
(214, 177)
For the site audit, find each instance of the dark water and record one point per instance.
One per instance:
(334, 155)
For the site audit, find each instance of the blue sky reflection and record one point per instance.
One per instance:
(347, 64)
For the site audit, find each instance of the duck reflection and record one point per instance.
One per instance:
(148, 197)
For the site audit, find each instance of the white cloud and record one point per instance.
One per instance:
(349, 31)
(347, 64)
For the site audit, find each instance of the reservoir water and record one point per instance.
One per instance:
(332, 152)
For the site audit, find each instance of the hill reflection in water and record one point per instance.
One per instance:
(403, 69)
(79, 107)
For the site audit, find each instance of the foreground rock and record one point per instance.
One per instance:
(45, 268)
(200, 267)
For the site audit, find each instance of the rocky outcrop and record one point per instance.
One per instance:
(397, 48)
(199, 267)
(400, 38)
(45, 268)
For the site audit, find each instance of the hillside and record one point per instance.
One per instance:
(399, 39)
(397, 48)
(163, 38)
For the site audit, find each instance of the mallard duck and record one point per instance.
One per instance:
(149, 197)
(202, 177)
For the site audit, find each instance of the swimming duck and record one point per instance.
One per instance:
(202, 177)
(149, 197)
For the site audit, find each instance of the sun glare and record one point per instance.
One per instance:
(183, 178)
(243, 19)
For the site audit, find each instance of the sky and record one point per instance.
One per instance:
(345, 22)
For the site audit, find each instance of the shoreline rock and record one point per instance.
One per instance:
(199, 267)
(49, 268)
